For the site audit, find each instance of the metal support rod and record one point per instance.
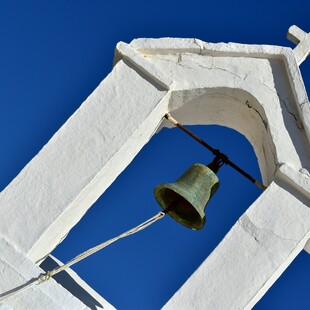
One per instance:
(215, 152)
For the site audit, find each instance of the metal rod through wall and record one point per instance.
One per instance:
(215, 152)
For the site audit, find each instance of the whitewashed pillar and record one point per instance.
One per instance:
(52, 193)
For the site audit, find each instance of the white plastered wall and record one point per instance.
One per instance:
(256, 90)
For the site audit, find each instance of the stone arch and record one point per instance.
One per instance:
(233, 108)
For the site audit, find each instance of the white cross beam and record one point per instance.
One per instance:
(302, 39)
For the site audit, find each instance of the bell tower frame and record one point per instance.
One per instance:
(255, 89)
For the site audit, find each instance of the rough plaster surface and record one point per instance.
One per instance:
(255, 89)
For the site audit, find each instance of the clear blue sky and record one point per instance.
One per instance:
(52, 56)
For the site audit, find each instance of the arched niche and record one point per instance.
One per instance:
(233, 108)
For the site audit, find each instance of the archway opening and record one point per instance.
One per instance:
(144, 270)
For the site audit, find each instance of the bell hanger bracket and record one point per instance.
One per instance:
(220, 158)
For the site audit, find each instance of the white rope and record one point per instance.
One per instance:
(46, 276)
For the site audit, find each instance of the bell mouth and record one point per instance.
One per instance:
(182, 210)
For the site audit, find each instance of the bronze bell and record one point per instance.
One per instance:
(185, 199)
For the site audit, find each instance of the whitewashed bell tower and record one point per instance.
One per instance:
(255, 89)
